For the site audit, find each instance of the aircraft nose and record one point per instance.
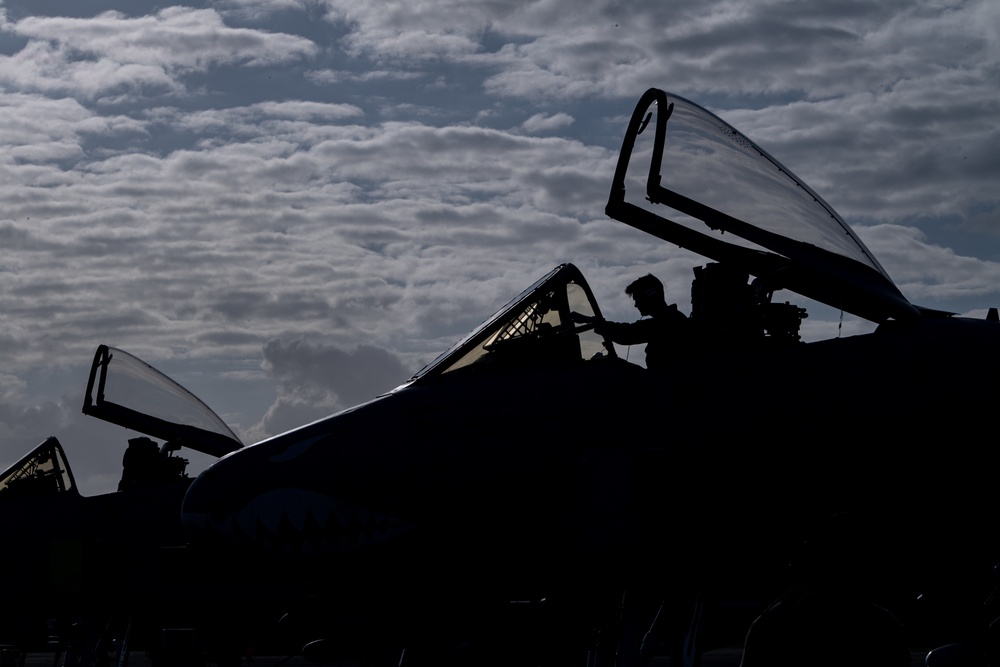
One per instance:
(263, 498)
(216, 496)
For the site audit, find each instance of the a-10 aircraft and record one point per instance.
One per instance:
(79, 572)
(502, 503)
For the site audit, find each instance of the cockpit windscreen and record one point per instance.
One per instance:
(550, 322)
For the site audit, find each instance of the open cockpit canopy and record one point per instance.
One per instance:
(124, 390)
(551, 322)
(714, 181)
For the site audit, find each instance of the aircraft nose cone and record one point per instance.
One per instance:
(213, 499)
(264, 498)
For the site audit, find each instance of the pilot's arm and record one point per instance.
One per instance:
(627, 333)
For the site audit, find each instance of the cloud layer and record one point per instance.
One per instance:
(293, 206)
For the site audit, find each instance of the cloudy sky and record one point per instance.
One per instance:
(292, 205)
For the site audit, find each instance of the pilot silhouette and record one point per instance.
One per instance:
(663, 327)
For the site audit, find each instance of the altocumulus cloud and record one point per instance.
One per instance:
(544, 123)
(114, 52)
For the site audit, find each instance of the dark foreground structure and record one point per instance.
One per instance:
(531, 497)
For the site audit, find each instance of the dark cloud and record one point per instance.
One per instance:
(242, 305)
(317, 379)
(354, 376)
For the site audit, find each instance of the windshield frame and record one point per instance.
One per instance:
(43, 471)
(483, 335)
